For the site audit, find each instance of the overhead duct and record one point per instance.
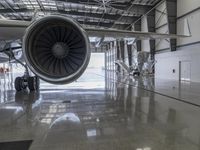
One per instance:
(56, 48)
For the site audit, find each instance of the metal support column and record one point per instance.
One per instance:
(106, 57)
(106, 68)
(130, 55)
(115, 53)
(151, 28)
(118, 55)
(172, 21)
(137, 27)
(122, 50)
(108, 54)
(112, 55)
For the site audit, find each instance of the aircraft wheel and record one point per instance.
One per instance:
(37, 79)
(136, 74)
(19, 84)
(33, 83)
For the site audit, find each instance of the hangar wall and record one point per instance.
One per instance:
(168, 62)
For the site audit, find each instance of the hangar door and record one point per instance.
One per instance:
(185, 70)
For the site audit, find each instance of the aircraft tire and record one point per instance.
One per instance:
(33, 83)
(19, 84)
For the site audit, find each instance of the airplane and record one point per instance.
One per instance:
(56, 48)
(142, 64)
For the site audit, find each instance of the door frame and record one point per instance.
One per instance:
(180, 66)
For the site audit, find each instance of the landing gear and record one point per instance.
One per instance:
(33, 83)
(136, 74)
(22, 83)
(27, 81)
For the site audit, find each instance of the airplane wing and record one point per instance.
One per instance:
(12, 29)
(17, 28)
(14, 23)
(119, 34)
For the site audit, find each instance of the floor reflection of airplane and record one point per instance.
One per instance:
(56, 48)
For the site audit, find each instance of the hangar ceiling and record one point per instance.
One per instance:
(96, 13)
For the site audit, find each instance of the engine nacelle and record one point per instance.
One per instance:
(56, 49)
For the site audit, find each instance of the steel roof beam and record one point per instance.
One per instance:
(124, 19)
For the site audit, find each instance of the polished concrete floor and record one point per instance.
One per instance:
(102, 111)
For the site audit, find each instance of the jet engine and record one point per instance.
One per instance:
(56, 49)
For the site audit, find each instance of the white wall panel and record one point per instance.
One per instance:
(166, 62)
(160, 18)
(185, 6)
(162, 44)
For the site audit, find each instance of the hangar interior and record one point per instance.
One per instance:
(136, 94)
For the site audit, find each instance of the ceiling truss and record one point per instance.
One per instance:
(98, 13)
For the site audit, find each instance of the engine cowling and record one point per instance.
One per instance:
(56, 49)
